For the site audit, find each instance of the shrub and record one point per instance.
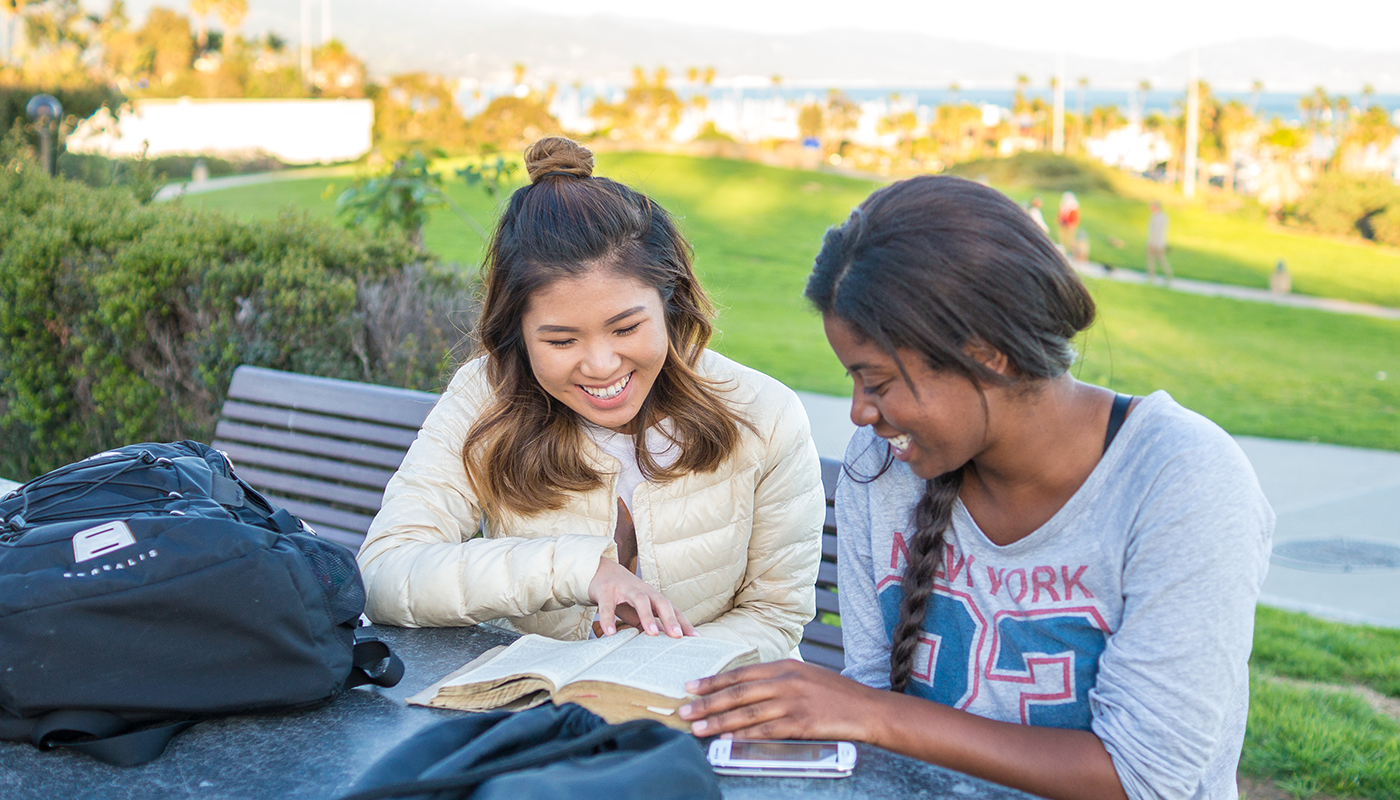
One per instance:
(123, 322)
(1043, 171)
(1343, 205)
(1385, 226)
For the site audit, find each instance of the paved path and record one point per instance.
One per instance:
(1242, 292)
(1319, 491)
(181, 188)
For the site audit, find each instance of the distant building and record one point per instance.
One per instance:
(293, 131)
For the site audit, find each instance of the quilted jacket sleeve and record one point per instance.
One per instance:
(422, 562)
(778, 596)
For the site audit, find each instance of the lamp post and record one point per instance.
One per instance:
(46, 111)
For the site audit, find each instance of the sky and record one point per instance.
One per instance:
(1141, 30)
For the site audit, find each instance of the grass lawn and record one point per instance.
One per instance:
(1305, 734)
(1256, 369)
(1219, 237)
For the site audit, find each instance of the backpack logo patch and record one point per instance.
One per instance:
(101, 540)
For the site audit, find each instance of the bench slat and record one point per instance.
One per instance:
(831, 468)
(402, 407)
(306, 422)
(826, 574)
(323, 515)
(827, 601)
(347, 539)
(822, 633)
(832, 658)
(387, 457)
(359, 499)
(311, 466)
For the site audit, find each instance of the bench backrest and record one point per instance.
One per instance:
(821, 639)
(324, 449)
(321, 448)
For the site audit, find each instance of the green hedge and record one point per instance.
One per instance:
(1346, 205)
(123, 322)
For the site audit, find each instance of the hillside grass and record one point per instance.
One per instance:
(1218, 237)
(1256, 369)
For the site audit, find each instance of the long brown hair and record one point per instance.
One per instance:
(933, 265)
(526, 451)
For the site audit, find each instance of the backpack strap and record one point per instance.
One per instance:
(531, 757)
(374, 662)
(105, 736)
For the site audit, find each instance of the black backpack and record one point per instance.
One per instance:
(148, 587)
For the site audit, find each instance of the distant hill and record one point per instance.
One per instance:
(471, 39)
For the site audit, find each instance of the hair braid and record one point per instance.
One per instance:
(932, 517)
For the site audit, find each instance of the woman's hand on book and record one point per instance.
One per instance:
(621, 595)
(780, 700)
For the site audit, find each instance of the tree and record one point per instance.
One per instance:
(811, 121)
(401, 199)
(649, 110)
(418, 108)
(231, 14)
(1232, 122)
(903, 125)
(512, 123)
(336, 72)
(200, 10)
(10, 11)
(1018, 103)
(167, 45)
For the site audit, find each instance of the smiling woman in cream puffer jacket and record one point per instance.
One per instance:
(597, 461)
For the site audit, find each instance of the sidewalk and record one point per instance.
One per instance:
(1233, 292)
(1318, 491)
(171, 191)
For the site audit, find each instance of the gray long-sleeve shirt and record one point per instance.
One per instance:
(1129, 613)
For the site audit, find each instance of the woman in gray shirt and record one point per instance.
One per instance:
(1042, 583)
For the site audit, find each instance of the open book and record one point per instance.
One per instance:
(620, 677)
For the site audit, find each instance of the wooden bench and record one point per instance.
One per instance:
(324, 450)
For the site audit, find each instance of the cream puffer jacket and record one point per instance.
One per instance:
(736, 550)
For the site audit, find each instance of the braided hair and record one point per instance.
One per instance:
(939, 265)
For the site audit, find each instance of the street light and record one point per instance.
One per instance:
(46, 111)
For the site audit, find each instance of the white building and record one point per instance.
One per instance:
(293, 131)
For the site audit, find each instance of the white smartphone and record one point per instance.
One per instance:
(782, 758)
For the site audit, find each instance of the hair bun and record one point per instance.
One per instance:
(554, 154)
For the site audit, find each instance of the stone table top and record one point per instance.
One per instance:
(319, 752)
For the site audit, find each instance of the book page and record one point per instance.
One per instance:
(662, 665)
(555, 661)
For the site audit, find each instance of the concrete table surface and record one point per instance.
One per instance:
(319, 752)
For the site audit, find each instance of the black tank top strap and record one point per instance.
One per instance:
(1116, 417)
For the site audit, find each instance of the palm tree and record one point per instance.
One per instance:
(1255, 89)
(1079, 124)
(200, 9)
(231, 14)
(1144, 86)
(1022, 82)
(1367, 92)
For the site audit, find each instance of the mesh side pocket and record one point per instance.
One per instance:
(339, 576)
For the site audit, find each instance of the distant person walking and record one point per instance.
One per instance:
(1037, 216)
(1069, 223)
(1157, 244)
